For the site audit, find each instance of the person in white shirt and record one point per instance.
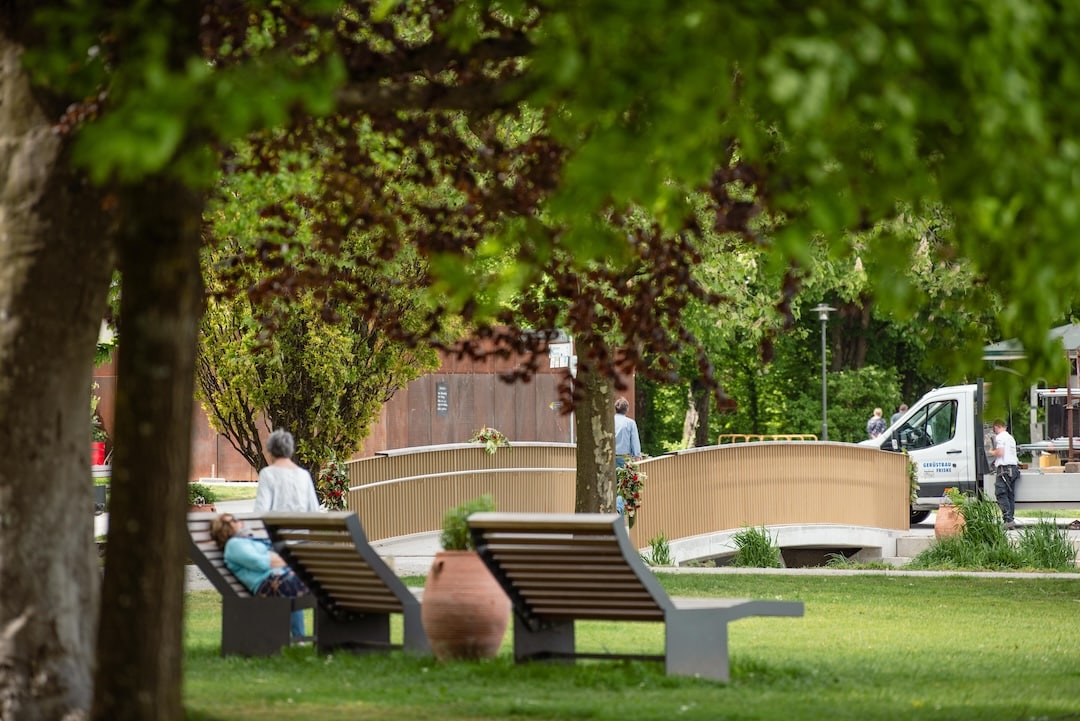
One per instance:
(627, 443)
(285, 486)
(1007, 466)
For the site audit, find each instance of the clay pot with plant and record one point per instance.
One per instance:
(465, 612)
(950, 514)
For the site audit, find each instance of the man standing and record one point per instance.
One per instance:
(627, 444)
(1007, 466)
(896, 416)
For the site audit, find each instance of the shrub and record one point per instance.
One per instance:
(1044, 545)
(982, 522)
(756, 549)
(455, 531)
(200, 495)
(984, 545)
(659, 551)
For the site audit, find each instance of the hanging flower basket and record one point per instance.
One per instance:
(630, 480)
(332, 486)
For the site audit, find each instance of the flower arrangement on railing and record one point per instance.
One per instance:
(629, 481)
(332, 487)
(491, 439)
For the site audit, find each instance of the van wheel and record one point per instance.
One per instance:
(918, 516)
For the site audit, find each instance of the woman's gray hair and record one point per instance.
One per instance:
(281, 444)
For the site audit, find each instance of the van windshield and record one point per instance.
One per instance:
(931, 425)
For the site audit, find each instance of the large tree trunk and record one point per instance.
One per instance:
(141, 636)
(140, 643)
(594, 421)
(55, 263)
(140, 640)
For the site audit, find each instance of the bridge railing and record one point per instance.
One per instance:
(399, 493)
(705, 490)
(686, 494)
(758, 437)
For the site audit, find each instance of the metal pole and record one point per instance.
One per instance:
(823, 314)
(824, 394)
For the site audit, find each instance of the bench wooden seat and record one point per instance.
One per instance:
(561, 568)
(250, 625)
(356, 590)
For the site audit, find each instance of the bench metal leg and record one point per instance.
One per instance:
(255, 626)
(696, 644)
(369, 629)
(554, 638)
(415, 640)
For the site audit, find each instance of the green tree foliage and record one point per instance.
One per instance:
(325, 370)
(835, 113)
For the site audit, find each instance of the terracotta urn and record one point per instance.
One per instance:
(465, 612)
(203, 508)
(949, 521)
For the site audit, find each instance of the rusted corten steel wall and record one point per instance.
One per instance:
(686, 494)
(447, 406)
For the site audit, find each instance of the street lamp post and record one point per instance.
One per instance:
(823, 311)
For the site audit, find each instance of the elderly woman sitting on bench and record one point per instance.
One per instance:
(253, 561)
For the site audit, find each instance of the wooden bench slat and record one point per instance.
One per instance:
(609, 552)
(498, 540)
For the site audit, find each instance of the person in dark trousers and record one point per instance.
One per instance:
(1007, 467)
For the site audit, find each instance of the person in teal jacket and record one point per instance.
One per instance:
(254, 562)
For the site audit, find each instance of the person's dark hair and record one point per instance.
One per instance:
(622, 405)
(999, 423)
(281, 444)
(903, 407)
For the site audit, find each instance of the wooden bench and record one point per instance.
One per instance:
(560, 568)
(356, 590)
(250, 625)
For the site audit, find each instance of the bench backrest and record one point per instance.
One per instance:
(209, 557)
(331, 553)
(568, 566)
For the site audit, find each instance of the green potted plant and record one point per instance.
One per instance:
(950, 514)
(201, 498)
(465, 612)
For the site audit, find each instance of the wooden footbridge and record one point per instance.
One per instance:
(808, 494)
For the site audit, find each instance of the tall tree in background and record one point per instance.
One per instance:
(326, 370)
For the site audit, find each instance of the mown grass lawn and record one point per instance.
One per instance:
(871, 646)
